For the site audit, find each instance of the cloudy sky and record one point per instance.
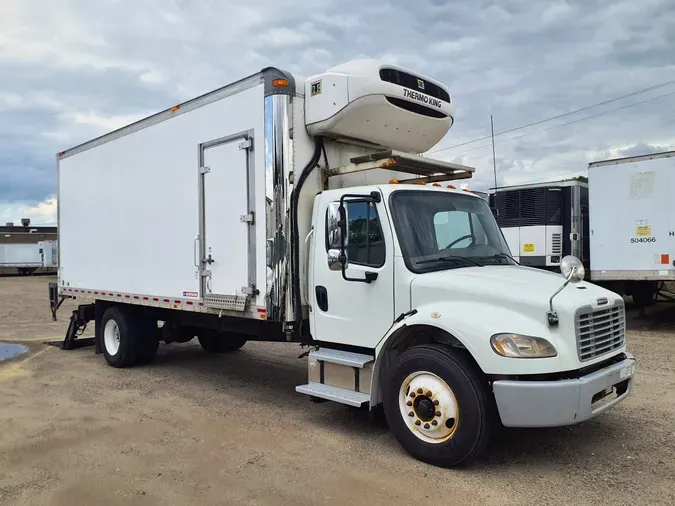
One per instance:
(71, 70)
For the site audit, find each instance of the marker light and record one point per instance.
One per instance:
(393, 181)
(280, 82)
(175, 108)
(451, 187)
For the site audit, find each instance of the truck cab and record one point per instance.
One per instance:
(421, 307)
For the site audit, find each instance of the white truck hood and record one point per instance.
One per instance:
(474, 303)
(508, 285)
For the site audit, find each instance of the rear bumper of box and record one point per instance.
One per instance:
(563, 402)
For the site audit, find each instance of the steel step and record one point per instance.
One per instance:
(347, 358)
(335, 394)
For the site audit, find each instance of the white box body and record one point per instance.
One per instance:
(20, 255)
(632, 218)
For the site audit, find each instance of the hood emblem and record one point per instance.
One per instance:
(602, 301)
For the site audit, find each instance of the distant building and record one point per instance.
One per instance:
(24, 233)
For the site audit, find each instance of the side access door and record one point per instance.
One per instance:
(352, 311)
(227, 225)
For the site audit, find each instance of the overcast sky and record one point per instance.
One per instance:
(71, 70)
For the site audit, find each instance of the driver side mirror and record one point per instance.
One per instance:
(337, 236)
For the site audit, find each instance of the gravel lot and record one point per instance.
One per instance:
(198, 429)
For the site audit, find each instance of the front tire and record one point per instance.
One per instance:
(221, 342)
(438, 405)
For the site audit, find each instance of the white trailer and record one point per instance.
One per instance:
(25, 258)
(292, 209)
(632, 223)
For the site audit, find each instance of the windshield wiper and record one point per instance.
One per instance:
(450, 258)
(504, 255)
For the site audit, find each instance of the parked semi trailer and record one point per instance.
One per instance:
(284, 208)
(632, 223)
(618, 224)
(23, 258)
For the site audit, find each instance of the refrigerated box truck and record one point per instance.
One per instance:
(284, 208)
(632, 223)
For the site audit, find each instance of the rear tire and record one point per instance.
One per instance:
(119, 337)
(221, 342)
(453, 425)
(148, 342)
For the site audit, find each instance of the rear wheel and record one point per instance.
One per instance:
(221, 342)
(120, 340)
(438, 405)
(148, 342)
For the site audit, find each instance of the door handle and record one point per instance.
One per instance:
(322, 298)
(194, 251)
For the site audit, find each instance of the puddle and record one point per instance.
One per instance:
(10, 350)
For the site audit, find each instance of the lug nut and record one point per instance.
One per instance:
(412, 394)
(426, 426)
(411, 414)
(409, 403)
(434, 422)
(436, 402)
(418, 422)
(420, 391)
(429, 394)
(438, 413)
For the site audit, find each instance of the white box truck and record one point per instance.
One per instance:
(284, 208)
(632, 223)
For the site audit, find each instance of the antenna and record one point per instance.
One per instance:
(494, 162)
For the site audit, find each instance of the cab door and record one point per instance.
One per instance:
(357, 310)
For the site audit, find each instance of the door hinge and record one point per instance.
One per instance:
(204, 170)
(246, 144)
(247, 218)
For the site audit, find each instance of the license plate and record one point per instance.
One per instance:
(627, 371)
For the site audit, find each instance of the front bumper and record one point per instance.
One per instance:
(562, 402)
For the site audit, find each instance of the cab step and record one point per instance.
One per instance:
(336, 394)
(339, 376)
(347, 358)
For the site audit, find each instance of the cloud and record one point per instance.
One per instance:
(42, 213)
(74, 69)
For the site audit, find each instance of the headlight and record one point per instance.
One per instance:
(517, 346)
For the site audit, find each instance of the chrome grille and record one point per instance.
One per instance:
(599, 331)
(556, 244)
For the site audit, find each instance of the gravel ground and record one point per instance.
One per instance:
(198, 429)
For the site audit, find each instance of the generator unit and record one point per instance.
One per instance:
(543, 222)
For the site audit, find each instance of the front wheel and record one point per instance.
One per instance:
(438, 406)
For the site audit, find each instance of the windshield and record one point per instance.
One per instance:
(439, 230)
